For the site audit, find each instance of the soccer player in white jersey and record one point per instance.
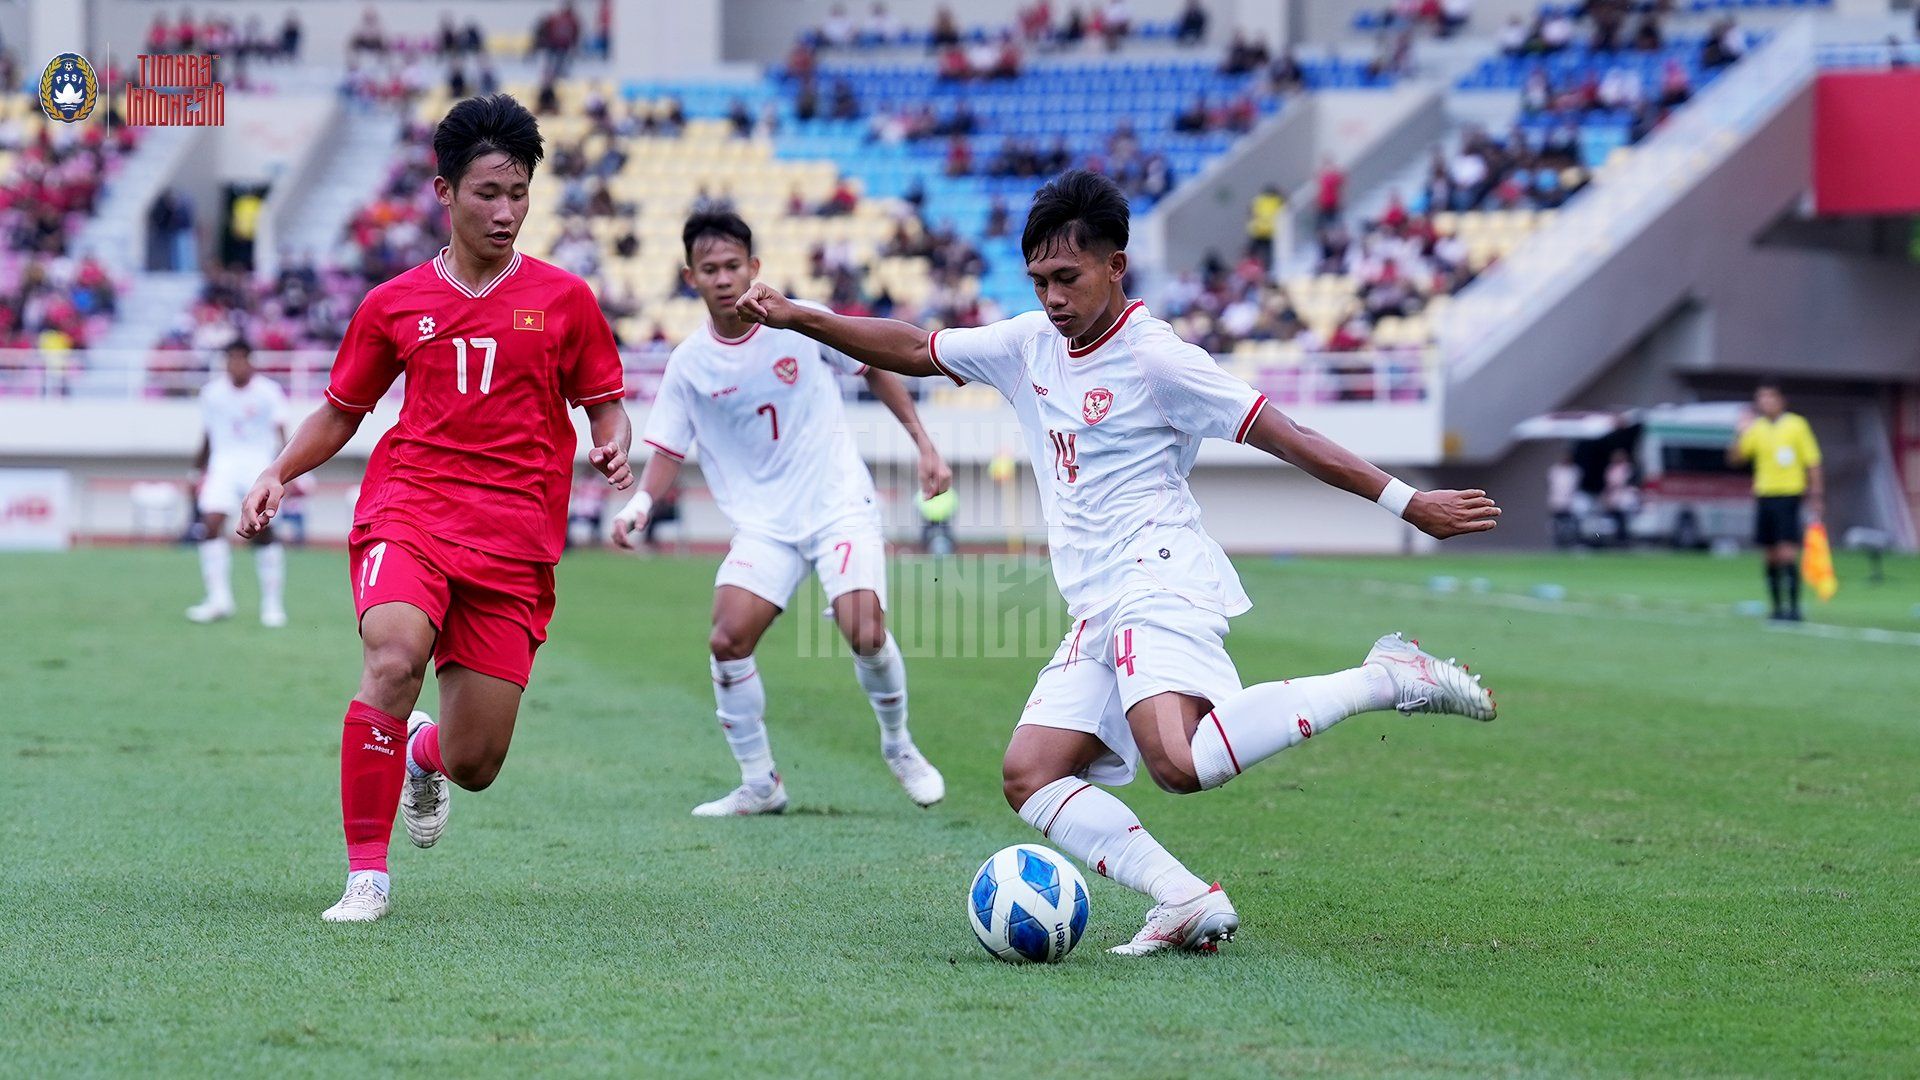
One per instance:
(243, 416)
(1113, 407)
(762, 406)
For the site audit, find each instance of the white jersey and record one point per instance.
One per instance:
(764, 411)
(242, 423)
(1112, 430)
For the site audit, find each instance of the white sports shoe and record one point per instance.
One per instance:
(923, 782)
(273, 617)
(362, 902)
(1198, 925)
(743, 800)
(206, 611)
(423, 799)
(1424, 683)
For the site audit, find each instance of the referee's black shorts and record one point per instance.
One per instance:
(1777, 520)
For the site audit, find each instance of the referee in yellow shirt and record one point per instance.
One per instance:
(1786, 474)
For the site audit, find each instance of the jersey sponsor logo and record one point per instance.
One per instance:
(1095, 406)
(426, 327)
(787, 369)
(524, 319)
(724, 391)
(1038, 389)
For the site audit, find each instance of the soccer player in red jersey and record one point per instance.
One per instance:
(463, 511)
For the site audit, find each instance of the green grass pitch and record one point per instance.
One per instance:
(1690, 845)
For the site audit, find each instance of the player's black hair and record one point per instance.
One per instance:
(724, 223)
(238, 345)
(1081, 208)
(493, 123)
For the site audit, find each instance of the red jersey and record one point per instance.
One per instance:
(483, 452)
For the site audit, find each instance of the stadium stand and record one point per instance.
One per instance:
(1381, 281)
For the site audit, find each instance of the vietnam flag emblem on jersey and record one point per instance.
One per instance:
(524, 319)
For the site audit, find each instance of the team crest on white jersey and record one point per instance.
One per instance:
(1095, 406)
(788, 369)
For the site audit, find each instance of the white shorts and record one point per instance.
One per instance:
(847, 557)
(1114, 659)
(225, 486)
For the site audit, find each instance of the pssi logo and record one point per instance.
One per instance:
(68, 88)
(787, 369)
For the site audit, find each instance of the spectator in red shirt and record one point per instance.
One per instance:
(1328, 199)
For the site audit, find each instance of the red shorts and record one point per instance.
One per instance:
(491, 611)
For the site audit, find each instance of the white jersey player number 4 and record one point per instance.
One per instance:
(1113, 406)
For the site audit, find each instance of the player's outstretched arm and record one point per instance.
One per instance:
(314, 442)
(1439, 514)
(612, 432)
(888, 344)
(655, 480)
(935, 476)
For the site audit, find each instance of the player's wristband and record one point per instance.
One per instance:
(637, 507)
(1396, 496)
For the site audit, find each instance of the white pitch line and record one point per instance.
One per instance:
(1674, 618)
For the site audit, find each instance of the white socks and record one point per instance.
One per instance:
(270, 562)
(216, 555)
(740, 700)
(1260, 721)
(379, 877)
(884, 677)
(1091, 825)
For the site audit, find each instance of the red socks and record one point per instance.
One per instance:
(373, 750)
(425, 749)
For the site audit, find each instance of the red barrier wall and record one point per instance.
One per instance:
(1866, 142)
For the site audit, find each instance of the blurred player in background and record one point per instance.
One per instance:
(763, 407)
(1113, 407)
(243, 419)
(1787, 480)
(463, 511)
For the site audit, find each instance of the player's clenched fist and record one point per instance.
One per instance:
(261, 503)
(762, 303)
(1441, 514)
(631, 520)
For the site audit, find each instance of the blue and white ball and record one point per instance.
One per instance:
(1028, 905)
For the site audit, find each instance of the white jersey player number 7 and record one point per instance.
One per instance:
(764, 413)
(1112, 430)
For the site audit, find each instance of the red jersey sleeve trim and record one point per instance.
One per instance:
(933, 353)
(342, 403)
(674, 454)
(863, 370)
(604, 395)
(1246, 426)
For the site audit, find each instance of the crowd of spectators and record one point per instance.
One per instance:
(1609, 25)
(1038, 25)
(249, 39)
(51, 296)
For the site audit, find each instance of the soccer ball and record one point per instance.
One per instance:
(1028, 904)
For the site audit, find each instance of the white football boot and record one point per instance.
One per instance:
(207, 611)
(1198, 925)
(362, 902)
(923, 782)
(273, 618)
(743, 800)
(424, 800)
(1423, 683)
